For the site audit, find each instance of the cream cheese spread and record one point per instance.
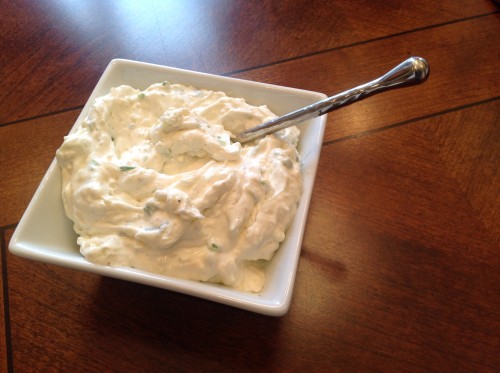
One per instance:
(152, 181)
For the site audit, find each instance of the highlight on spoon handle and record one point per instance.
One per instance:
(414, 70)
(411, 71)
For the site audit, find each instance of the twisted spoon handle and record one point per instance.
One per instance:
(412, 71)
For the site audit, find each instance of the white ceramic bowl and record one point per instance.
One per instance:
(46, 234)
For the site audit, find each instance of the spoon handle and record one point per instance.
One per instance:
(412, 71)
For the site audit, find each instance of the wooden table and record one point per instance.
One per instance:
(400, 264)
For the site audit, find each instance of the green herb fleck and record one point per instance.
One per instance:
(141, 95)
(214, 247)
(126, 168)
(150, 209)
(112, 139)
(221, 141)
(165, 83)
(93, 162)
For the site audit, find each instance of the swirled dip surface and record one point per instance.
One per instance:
(152, 181)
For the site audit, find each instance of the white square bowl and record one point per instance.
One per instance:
(46, 234)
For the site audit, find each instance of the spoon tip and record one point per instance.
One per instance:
(421, 68)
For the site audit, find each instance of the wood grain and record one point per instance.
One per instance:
(399, 269)
(62, 60)
(27, 150)
(416, 272)
(414, 102)
(465, 71)
(397, 273)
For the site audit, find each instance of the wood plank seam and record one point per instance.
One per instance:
(5, 290)
(235, 72)
(412, 120)
(8, 226)
(367, 41)
(79, 107)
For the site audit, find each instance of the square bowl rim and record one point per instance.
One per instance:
(20, 246)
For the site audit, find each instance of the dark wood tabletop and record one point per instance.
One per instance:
(400, 263)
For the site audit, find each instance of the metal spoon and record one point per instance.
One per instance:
(412, 71)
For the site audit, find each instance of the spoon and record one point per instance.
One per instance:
(411, 71)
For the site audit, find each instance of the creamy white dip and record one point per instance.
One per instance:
(152, 181)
